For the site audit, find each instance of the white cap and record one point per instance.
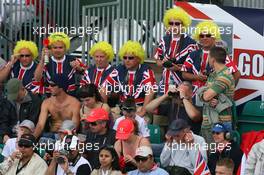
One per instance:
(70, 142)
(28, 124)
(144, 151)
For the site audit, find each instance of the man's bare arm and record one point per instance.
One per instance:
(154, 104)
(42, 118)
(76, 114)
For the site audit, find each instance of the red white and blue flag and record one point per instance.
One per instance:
(247, 44)
(201, 167)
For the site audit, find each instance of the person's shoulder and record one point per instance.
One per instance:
(73, 100)
(189, 39)
(140, 119)
(161, 171)
(198, 138)
(133, 172)
(11, 141)
(38, 161)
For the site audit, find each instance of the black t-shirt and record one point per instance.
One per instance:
(172, 110)
(94, 142)
(83, 170)
(235, 153)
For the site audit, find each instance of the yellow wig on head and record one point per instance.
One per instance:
(134, 48)
(177, 14)
(104, 47)
(60, 36)
(31, 46)
(207, 27)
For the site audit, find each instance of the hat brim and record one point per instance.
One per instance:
(172, 133)
(218, 130)
(12, 96)
(25, 142)
(122, 136)
(27, 127)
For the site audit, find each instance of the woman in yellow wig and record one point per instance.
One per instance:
(174, 47)
(196, 67)
(102, 54)
(21, 64)
(133, 78)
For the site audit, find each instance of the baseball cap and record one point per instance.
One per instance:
(219, 127)
(67, 125)
(70, 142)
(12, 88)
(143, 151)
(124, 129)
(176, 126)
(28, 124)
(27, 140)
(97, 114)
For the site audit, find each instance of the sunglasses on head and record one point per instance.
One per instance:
(128, 57)
(141, 159)
(21, 56)
(128, 108)
(174, 23)
(205, 35)
(217, 133)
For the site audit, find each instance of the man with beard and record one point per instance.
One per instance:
(60, 106)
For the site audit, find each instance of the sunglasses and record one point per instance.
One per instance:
(217, 133)
(128, 57)
(174, 23)
(205, 35)
(141, 159)
(27, 56)
(93, 123)
(23, 145)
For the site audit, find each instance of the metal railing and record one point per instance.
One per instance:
(34, 20)
(259, 4)
(122, 20)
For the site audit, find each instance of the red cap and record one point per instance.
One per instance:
(124, 129)
(97, 114)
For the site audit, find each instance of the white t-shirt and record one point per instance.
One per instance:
(10, 147)
(142, 125)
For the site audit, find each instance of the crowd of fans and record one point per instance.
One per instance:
(53, 124)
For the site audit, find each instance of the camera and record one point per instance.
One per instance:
(174, 94)
(169, 63)
(60, 159)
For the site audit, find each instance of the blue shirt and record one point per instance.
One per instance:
(157, 171)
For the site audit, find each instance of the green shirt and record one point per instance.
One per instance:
(222, 82)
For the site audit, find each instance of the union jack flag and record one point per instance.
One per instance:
(201, 167)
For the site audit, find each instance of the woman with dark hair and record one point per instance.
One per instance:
(127, 143)
(109, 164)
(91, 99)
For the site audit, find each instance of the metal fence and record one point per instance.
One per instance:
(122, 20)
(34, 20)
(259, 4)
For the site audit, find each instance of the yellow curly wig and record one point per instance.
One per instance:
(132, 47)
(177, 14)
(104, 47)
(207, 27)
(60, 36)
(31, 46)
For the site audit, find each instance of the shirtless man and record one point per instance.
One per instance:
(60, 106)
